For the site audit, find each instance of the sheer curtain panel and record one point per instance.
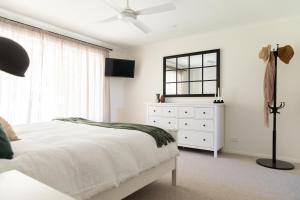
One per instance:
(65, 79)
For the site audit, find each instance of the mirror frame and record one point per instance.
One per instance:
(217, 51)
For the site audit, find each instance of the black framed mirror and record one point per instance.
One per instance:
(192, 75)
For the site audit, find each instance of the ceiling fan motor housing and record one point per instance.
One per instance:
(127, 15)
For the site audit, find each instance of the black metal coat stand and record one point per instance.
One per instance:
(274, 163)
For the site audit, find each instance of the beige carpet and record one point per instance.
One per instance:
(230, 177)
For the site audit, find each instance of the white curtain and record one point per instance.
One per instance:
(65, 79)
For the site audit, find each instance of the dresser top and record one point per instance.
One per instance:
(187, 104)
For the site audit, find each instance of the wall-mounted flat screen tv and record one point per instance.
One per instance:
(119, 67)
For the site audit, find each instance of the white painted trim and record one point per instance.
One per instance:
(53, 28)
(261, 155)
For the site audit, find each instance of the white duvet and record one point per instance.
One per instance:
(82, 160)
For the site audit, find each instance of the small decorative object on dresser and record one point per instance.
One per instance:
(157, 98)
(200, 126)
(162, 99)
(218, 98)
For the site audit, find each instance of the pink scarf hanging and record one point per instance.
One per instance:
(269, 87)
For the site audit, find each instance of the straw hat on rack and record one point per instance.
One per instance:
(264, 53)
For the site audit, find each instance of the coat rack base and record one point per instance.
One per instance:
(282, 165)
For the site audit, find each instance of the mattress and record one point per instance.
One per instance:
(82, 160)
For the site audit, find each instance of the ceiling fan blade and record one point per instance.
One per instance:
(157, 9)
(110, 19)
(140, 25)
(113, 5)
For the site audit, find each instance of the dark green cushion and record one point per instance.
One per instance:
(5, 147)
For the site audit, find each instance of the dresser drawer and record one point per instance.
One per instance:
(154, 111)
(186, 112)
(196, 139)
(188, 124)
(206, 125)
(169, 123)
(170, 111)
(193, 124)
(155, 121)
(204, 113)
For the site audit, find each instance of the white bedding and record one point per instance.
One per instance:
(82, 160)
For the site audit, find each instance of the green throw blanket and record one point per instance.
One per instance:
(161, 136)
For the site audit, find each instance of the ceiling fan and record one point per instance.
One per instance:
(129, 15)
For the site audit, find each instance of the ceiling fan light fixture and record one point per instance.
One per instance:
(128, 15)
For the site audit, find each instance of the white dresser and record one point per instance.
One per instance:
(200, 126)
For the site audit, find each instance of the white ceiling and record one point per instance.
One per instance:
(191, 16)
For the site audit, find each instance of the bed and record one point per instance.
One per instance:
(90, 162)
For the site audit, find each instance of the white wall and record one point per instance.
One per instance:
(118, 89)
(241, 83)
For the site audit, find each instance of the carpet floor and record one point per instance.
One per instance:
(229, 177)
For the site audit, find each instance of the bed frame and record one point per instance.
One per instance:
(134, 184)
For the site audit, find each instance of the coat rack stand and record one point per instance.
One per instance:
(274, 163)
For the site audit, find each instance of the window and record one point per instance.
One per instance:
(65, 78)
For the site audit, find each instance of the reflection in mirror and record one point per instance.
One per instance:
(196, 74)
(182, 88)
(210, 73)
(170, 76)
(209, 87)
(210, 59)
(183, 62)
(182, 75)
(171, 64)
(170, 88)
(196, 61)
(196, 87)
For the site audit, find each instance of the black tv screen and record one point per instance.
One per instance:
(119, 67)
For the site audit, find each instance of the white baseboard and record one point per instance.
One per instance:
(260, 155)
